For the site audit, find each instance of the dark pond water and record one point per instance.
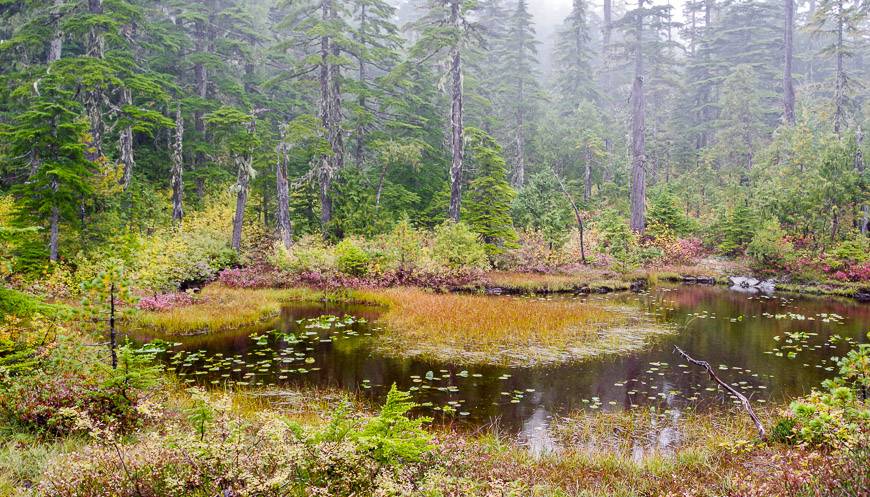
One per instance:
(770, 347)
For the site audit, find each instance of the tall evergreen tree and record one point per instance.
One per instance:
(574, 54)
(839, 21)
(447, 30)
(520, 76)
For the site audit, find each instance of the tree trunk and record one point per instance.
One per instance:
(520, 163)
(840, 85)
(330, 113)
(94, 96)
(56, 46)
(200, 74)
(587, 174)
(125, 143)
(787, 83)
(859, 167)
(577, 216)
(380, 187)
(244, 164)
(113, 337)
(456, 126)
(285, 229)
(177, 179)
(359, 148)
(54, 231)
(638, 173)
(520, 172)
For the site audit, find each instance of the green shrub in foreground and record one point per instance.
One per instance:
(221, 454)
(839, 415)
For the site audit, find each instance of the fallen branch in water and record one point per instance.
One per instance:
(729, 388)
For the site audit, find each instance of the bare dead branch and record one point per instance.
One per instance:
(729, 388)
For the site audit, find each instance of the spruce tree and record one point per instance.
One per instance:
(520, 76)
(490, 195)
(574, 54)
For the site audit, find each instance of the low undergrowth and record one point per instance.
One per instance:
(504, 330)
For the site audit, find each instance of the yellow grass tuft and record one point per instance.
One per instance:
(220, 308)
(505, 330)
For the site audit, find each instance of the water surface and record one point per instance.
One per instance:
(772, 348)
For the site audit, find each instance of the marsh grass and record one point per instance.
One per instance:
(505, 330)
(23, 459)
(591, 279)
(219, 308)
(638, 434)
(598, 456)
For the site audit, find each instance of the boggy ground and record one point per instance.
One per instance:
(475, 329)
(459, 327)
(251, 445)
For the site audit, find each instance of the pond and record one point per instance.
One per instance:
(772, 348)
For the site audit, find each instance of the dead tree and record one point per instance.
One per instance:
(729, 388)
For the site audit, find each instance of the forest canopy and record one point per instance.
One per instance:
(241, 128)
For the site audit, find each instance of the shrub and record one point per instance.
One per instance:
(539, 208)
(65, 394)
(259, 276)
(309, 254)
(618, 241)
(769, 246)
(196, 251)
(854, 251)
(220, 454)
(456, 247)
(405, 248)
(838, 416)
(537, 252)
(736, 227)
(857, 273)
(665, 216)
(13, 302)
(391, 437)
(165, 301)
(350, 258)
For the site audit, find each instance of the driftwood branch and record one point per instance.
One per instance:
(729, 388)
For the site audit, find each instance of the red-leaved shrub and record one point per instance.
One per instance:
(165, 301)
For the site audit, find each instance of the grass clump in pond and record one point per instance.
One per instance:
(505, 330)
(219, 307)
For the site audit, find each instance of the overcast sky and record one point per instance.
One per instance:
(550, 13)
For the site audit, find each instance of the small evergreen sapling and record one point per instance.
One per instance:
(104, 297)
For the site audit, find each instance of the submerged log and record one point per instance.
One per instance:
(729, 388)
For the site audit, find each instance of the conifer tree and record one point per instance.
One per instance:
(575, 81)
(840, 21)
(47, 140)
(489, 194)
(376, 49)
(445, 30)
(521, 78)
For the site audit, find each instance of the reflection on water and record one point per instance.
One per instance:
(770, 347)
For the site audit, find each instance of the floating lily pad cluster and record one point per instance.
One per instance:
(276, 355)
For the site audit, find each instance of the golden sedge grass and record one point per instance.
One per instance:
(505, 330)
(219, 308)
